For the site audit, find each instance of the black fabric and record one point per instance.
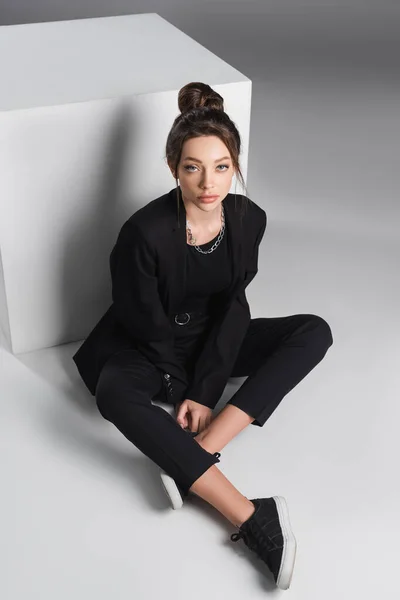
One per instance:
(276, 354)
(148, 271)
(207, 277)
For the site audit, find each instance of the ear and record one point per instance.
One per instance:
(172, 171)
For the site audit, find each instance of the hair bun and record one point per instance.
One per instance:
(198, 95)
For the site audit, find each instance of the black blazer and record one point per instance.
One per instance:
(148, 271)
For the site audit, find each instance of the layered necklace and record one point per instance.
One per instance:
(192, 239)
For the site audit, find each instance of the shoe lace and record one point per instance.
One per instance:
(258, 541)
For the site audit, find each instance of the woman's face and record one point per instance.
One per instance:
(208, 171)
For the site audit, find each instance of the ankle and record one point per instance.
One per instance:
(246, 513)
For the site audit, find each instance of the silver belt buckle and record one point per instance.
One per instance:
(185, 322)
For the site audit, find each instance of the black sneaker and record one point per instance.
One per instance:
(268, 533)
(173, 490)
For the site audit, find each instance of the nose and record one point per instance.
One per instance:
(207, 181)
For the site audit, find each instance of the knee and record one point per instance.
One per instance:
(105, 392)
(119, 390)
(101, 403)
(322, 332)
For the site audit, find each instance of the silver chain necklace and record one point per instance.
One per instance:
(192, 239)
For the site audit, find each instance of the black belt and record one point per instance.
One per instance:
(184, 318)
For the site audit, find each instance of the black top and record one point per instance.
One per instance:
(207, 275)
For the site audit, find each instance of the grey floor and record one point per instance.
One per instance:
(83, 511)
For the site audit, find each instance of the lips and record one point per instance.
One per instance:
(205, 197)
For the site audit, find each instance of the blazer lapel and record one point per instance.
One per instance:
(178, 254)
(177, 274)
(234, 229)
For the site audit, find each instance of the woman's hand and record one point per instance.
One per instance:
(192, 415)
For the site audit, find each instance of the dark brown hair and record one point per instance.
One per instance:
(202, 113)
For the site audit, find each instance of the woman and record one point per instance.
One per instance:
(180, 326)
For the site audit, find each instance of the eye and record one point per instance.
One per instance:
(187, 167)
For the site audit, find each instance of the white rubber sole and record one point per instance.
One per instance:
(171, 490)
(289, 545)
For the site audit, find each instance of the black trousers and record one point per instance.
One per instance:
(276, 354)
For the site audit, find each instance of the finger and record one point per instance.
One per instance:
(187, 423)
(186, 420)
(183, 422)
(181, 416)
(194, 423)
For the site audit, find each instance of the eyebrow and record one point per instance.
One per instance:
(199, 161)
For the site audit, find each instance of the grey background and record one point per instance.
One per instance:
(324, 163)
(325, 123)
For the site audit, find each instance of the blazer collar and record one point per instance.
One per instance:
(178, 256)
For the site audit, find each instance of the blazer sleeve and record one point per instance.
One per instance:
(217, 359)
(137, 304)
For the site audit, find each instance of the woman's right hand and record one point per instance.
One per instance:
(193, 416)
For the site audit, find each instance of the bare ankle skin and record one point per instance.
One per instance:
(217, 490)
(213, 486)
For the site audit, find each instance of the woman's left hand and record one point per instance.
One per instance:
(194, 416)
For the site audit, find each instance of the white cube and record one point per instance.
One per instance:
(85, 109)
